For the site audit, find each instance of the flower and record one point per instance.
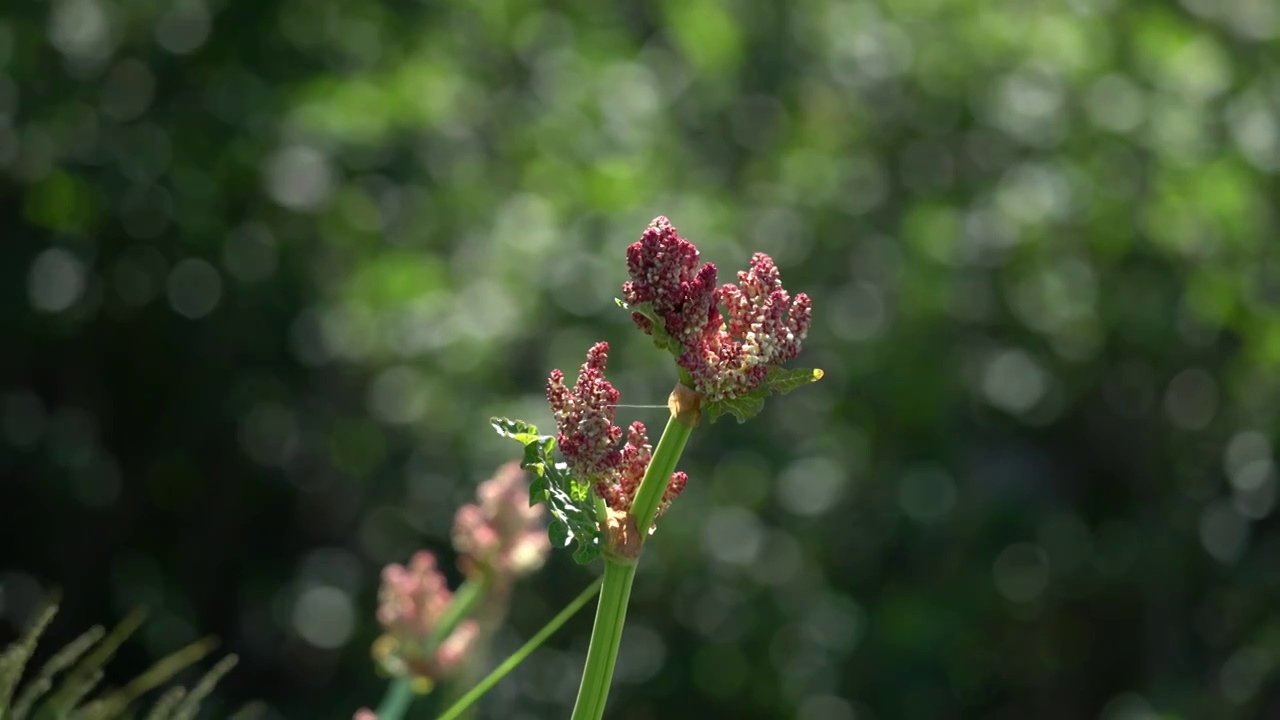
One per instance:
(502, 534)
(584, 415)
(619, 489)
(664, 272)
(588, 439)
(726, 356)
(411, 603)
(365, 714)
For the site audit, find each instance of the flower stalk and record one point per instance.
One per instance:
(729, 343)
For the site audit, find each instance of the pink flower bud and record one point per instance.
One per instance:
(502, 533)
(411, 603)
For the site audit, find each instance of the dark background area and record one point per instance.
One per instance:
(267, 268)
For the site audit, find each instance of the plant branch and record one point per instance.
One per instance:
(519, 656)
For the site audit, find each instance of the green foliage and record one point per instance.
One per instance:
(46, 697)
(569, 499)
(658, 331)
(778, 381)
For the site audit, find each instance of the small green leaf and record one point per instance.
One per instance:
(661, 339)
(586, 553)
(559, 533)
(568, 498)
(518, 430)
(781, 381)
(743, 408)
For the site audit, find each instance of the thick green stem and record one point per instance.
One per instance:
(606, 636)
(400, 694)
(611, 612)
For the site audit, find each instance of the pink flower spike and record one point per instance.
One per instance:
(411, 603)
(502, 534)
(764, 327)
(664, 272)
(586, 434)
(619, 490)
(412, 599)
(451, 652)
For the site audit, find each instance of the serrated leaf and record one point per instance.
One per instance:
(558, 532)
(781, 381)
(538, 490)
(518, 430)
(568, 499)
(743, 408)
(586, 553)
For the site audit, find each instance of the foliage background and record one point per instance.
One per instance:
(267, 268)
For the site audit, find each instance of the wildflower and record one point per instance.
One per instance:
(584, 416)
(365, 714)
(411, 603)
(729, 355)
(589, 440)
(619, 489)
(502, 534)
(664, 272)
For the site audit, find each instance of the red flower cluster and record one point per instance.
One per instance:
(619, 490)
(589, 440)
(765, 326)
(664, 271)
(584, 417)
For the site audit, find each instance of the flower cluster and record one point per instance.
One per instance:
(726, 356)
(411, 603)
(501, 535)
(619, 490)
(584, 417)
(664, 272)
(589, 440)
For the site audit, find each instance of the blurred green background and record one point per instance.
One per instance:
(267, 268)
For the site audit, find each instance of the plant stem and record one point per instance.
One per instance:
(510, 663)
(606, 636)
(400, 694)
(397, 700)
(615, 593)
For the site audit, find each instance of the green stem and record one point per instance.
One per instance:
(606, 636)
(397, 700)
(615, 593)
(665, 456)
(510, 663)
(395, 703)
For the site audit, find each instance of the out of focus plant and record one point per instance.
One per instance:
(429, 629)
(607, 493)
(61, 687)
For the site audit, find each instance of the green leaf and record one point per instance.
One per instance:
(568, 498)
(661, 339)
(517, 430)
(743, 408)
(778, 380)
(781, 381)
